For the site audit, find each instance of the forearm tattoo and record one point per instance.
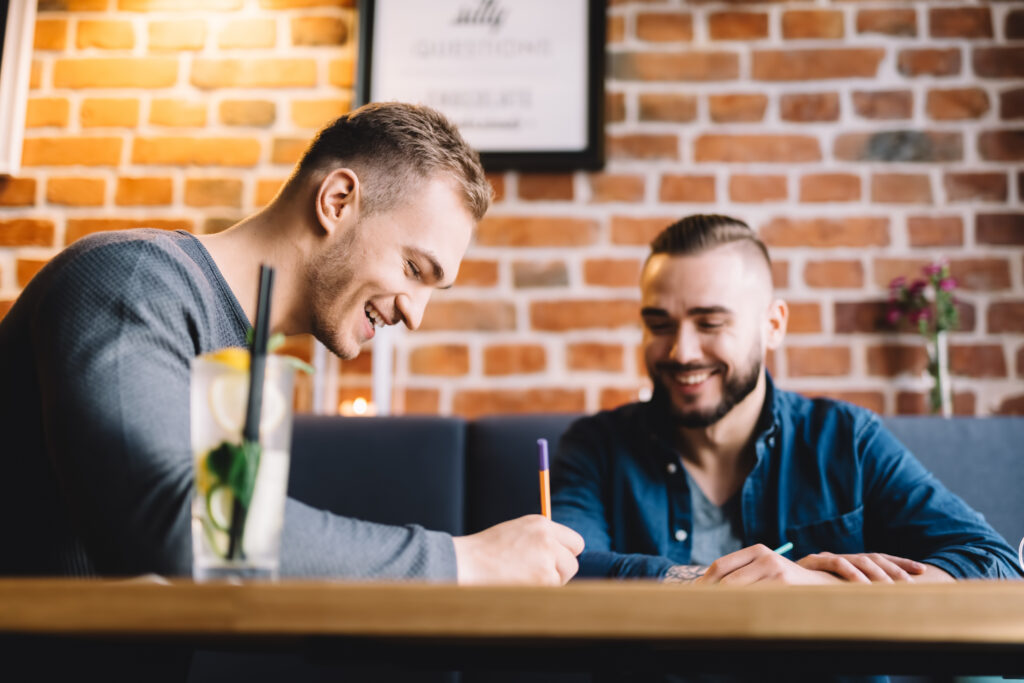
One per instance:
(684, 573)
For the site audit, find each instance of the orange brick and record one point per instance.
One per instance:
(901, 188)
(674, 66)
(109, 112)
(1011, 103)
(982, 360)
(594, 356)
(497, 182)
(738, 25)
(177, 34)
(613, 397)
(26, 232)
(483, 316)
(71, 151)
(667, 107)
(929, 62)
(663, 27)
(184, 151)
(818, 361)
(105, 34)
(614, 107)
(341, 72)
(957, 104)
(872, 400)
(834, 274)
(737, 108)
(1000, 228)
(78, 228)
(616, 187)
(830, 187)
(536, 231)
(267, 189)
(893, 22)
(826, 232)
(178, 113)
(248, 34)
(514, 359)
(219, 224)
(615, 30)
(112, 72)
(807, 65)
(628, 230)
(960, 22)
(288, 150)
(809, 107)
(981, 274)
(757, 188)
(295, 4)
(998, 62)
(941, 231)
(893, 360)
(545, 186)
(539, 274)
(27, 269)
(901, 145)
(687, 188)
(753, 148)
(253, 73)
(144, 191)
(1001, 145)
(584, 314)
(798, 24)
(983, 187)
(213, 192)
(247, 113)
(178, 5)
(50, 34)
(888, 104)
(319, 31)
(780, 274)
(449, 360)
(46, 111)
(1006, 316)
(804, 317)
(608, 272)
(421, 402)
(477, 273)
(76, 191)
(1012, 405)
(474, 403)
(641, 146)
(318, 113)
(35, 78)
(17, 191)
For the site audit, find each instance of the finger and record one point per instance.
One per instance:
(834, 564)
(908, 565)
(870, 568)
(764, 568)
(566, 565)
(727, 564)
(568, 538)
(892, 569)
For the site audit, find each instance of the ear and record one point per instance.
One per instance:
(778, 318)
(337, 199)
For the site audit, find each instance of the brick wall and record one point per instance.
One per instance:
(861, 139)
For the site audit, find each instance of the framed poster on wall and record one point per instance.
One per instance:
(523, 79)
(16, 33)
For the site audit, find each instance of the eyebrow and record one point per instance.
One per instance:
(435, 265)
(697, 310)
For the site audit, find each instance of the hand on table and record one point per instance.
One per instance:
(758, 563)
(527, 550)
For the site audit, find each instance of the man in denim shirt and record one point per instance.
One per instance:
(720, 466)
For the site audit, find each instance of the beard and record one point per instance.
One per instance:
(328, 273)
(735, 388)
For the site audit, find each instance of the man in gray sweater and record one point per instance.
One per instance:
(95, 355)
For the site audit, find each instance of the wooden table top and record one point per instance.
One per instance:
(966, 612)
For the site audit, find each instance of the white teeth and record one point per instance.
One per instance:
(692, 379)
(374, 316)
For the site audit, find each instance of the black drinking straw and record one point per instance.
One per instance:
(251, 430)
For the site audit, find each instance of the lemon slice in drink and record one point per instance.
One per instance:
(219, 504)
(229, 395)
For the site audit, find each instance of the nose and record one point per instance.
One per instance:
(686, 347)
(413, 306)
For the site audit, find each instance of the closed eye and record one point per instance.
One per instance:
(414, 270)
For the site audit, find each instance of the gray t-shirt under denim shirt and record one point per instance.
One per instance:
(717, 530)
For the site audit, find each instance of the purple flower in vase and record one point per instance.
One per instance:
(948, 284)
(933, 268)
(898, 283)
(893, 316)
(917, 287)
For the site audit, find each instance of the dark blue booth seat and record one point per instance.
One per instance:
(461, 477)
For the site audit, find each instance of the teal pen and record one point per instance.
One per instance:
(783, 549)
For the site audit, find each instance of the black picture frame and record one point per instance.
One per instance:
(589, 157)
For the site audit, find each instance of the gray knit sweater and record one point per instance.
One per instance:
(95, 461)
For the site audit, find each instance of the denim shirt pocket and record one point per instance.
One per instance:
(842, 534)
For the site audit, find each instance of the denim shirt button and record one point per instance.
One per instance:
(671, 468)
(681, 535)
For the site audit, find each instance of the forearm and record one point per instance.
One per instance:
(933, 574)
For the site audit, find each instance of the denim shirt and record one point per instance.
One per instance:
(827, 476)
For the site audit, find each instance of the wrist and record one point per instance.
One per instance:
(684, 573)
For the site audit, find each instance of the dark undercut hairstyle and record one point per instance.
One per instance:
(701, 232)
(393, 147)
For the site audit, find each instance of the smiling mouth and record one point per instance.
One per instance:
(375, 317)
